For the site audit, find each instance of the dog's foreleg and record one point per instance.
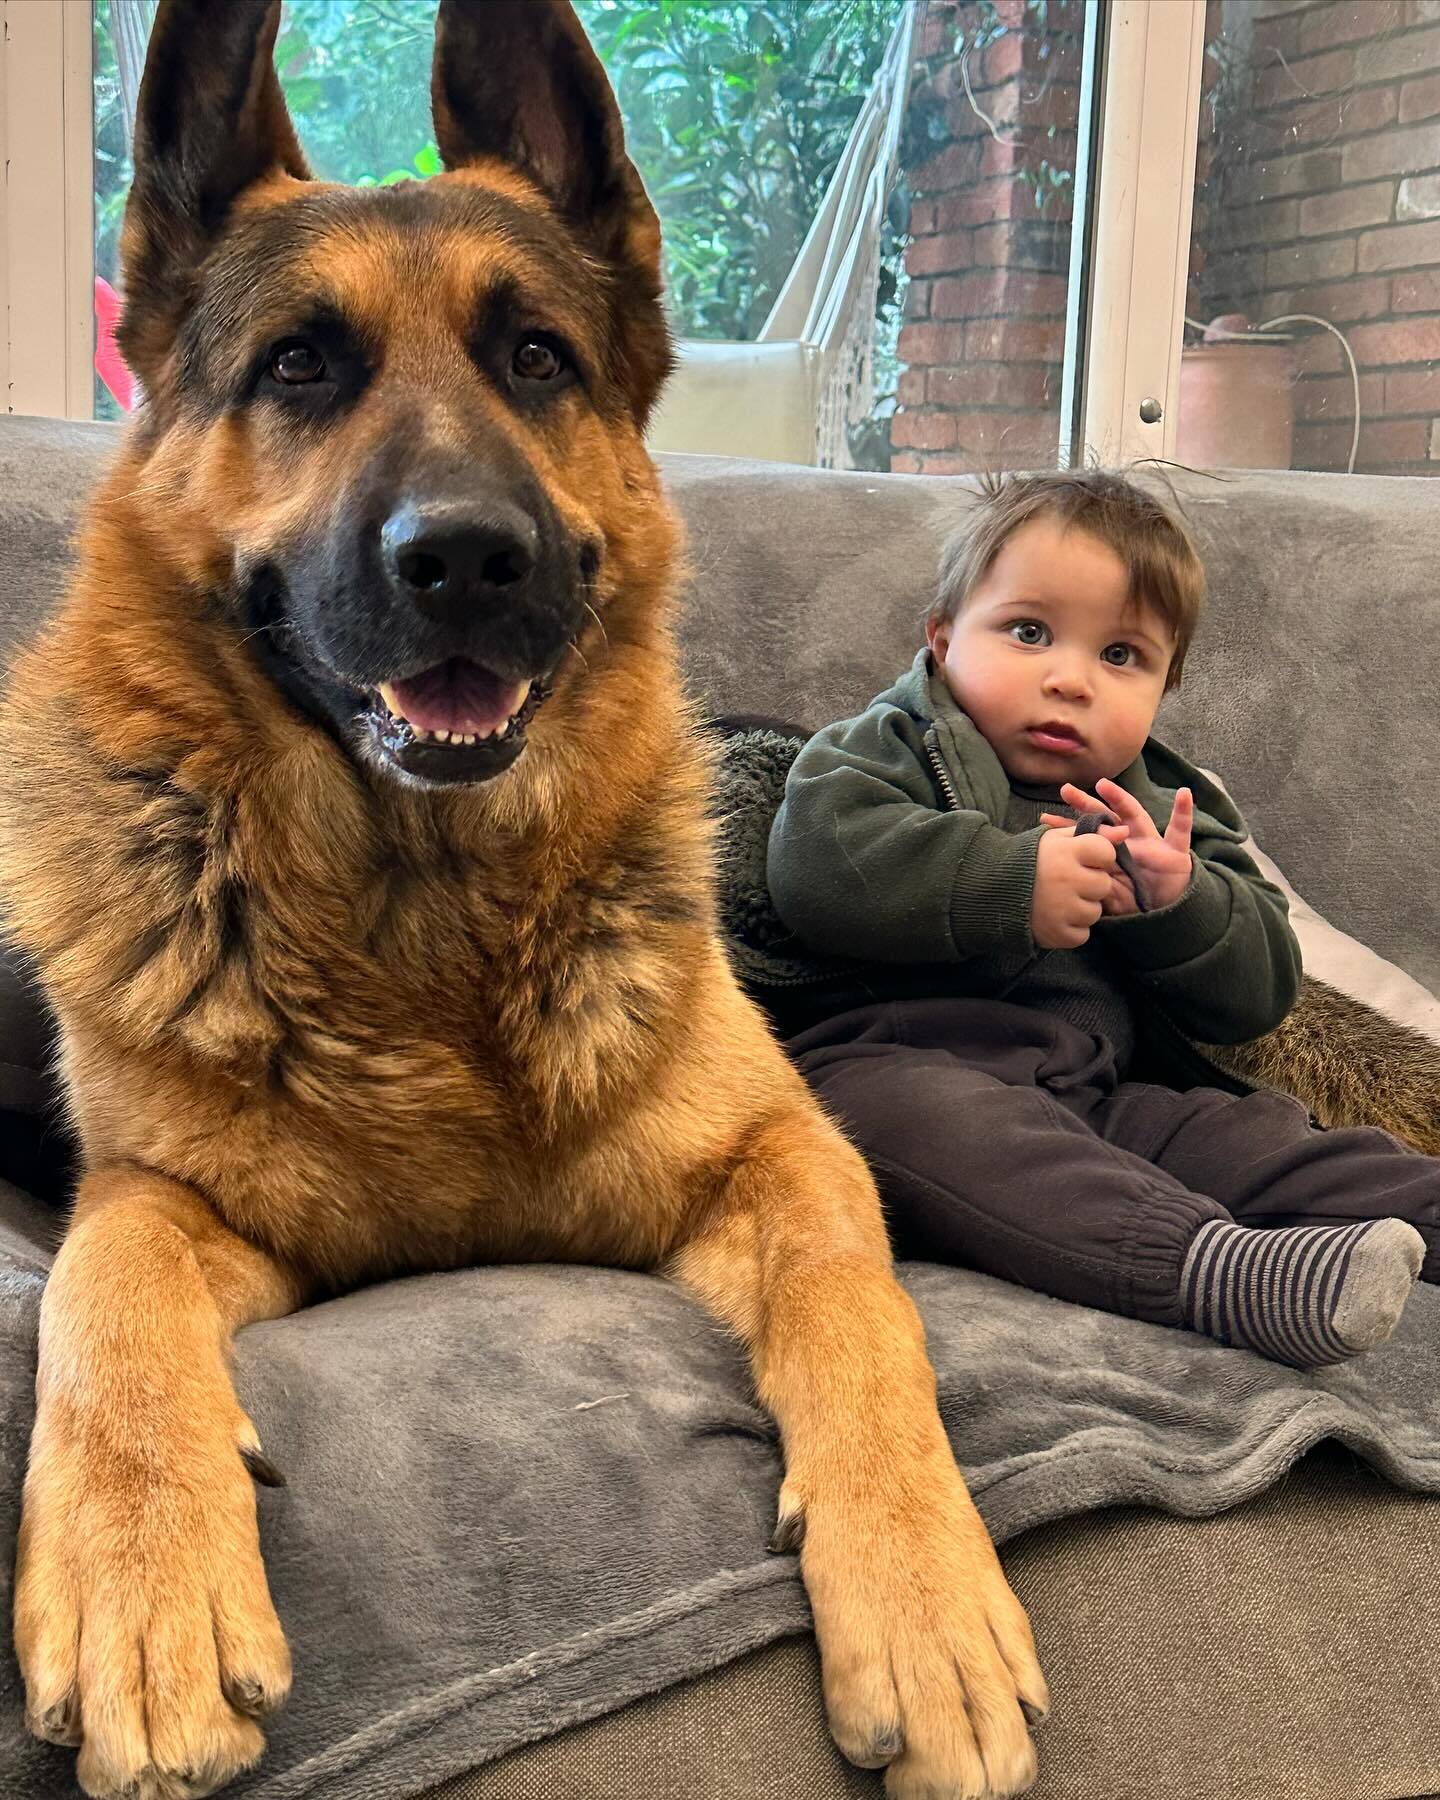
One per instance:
(928, 1662)
(142, 1616)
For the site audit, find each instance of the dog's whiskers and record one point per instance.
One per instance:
(599, 621)
(278, 626)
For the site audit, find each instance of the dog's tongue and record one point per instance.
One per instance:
(457, 696)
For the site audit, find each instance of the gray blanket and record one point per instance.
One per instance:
(519, 1498)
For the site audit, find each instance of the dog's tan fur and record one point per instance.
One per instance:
(320, 1027)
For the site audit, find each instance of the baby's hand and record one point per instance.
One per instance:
(1163, 863)
(1072, 878)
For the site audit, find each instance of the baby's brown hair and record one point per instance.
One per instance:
(1159, 554)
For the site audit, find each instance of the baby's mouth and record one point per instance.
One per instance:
(1055, 734)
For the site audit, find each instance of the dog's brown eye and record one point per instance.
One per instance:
(294, 363)
(535, 360)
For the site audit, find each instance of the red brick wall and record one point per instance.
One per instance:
(1320, 193)
(983, 342)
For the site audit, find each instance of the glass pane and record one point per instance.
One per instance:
(1317, 194)
(931, 295)
(356, 76)
(737, 116)
(992, 130)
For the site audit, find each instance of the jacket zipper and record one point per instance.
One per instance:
(942, 774)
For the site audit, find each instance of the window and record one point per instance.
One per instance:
(992, 146)
(927, 235)
(1313, 316)
(738, 116)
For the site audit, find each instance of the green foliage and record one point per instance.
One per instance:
(737, 115)
(112, 159)
(737, 112)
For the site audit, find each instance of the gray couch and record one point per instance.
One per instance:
(1291, 1646)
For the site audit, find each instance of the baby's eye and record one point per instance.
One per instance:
(1030, 631)
(1120, 656)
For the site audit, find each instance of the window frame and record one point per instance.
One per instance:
(1149, 136)
(47, 258)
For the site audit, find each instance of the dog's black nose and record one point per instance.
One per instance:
(448, 557)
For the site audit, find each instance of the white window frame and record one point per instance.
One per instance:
(47, 233)
(1149, 133)
(1139, 248)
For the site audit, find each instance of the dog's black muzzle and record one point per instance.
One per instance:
(427, 633)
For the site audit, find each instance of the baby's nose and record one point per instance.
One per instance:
(1068, 675)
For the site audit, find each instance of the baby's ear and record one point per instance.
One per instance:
(937, 635)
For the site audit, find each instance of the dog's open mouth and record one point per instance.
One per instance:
(458, 721)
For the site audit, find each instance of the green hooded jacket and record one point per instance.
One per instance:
(889, 848)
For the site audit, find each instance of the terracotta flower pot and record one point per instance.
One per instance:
(1237, 406)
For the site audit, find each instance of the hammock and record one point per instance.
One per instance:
(794, 393)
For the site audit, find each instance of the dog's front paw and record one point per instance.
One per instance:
(143, 1621)
(928, 1661)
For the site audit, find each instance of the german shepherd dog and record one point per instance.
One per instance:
(354, 824)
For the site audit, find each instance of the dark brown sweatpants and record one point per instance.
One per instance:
(1002, 1139)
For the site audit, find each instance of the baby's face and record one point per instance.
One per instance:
(1058, 671)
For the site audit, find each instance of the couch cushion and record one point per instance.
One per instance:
(520, 1498)
(47, 467)
(1290, 1648)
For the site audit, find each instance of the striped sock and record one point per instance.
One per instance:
(1309, 1295)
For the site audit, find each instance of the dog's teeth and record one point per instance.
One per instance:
(392, 704)
(470, 738)
(444, 736)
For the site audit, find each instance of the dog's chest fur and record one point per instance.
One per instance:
(282, 975)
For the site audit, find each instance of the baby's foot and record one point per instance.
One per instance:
(1309, 1295)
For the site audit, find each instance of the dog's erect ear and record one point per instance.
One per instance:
(518, 80)
(211, 121)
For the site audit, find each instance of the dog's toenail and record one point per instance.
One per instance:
(244, 1693)
(789, 1534)
(1034, 1715)
(261, 1467)
(58, 1724)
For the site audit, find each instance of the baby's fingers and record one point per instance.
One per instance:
(1080, 800)
(1120, 801)
(1182, 821)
